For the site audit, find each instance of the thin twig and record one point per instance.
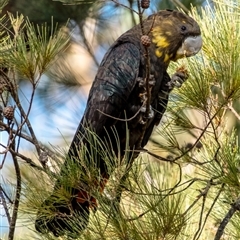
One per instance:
(15, 96)
(12, 225)
(132, 12)
(3, 161)
(4, 203)
(89, 48)
(189, 182)
(26, 120)
(5, 194)
(210, 210)
(202, 194)
(161, 198)
(140, 16)
(210, 122)
(14, 93)
(28, 161)
(122, 119)
(231, 108)
(139, 216)
(10, 140)
(51, 153)
(122, 5)
(143, 150)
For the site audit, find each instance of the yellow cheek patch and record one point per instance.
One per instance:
(158, 53)
(166, 58)
(159, 39)
(162, 42)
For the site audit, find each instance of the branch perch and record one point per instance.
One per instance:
(234, 207)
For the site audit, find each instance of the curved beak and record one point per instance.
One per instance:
(191, 46)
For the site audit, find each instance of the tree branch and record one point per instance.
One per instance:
(4, 203)
(234, 207)
(12, 226)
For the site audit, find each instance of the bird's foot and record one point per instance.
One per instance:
(178, 78)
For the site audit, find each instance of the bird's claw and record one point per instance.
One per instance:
(178, 78)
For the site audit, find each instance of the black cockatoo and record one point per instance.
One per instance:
(117, 93)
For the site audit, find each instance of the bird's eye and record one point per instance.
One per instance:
(183, 28)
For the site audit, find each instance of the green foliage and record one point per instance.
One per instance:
(31, 57)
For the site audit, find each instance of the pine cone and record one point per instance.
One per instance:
(145, 4)
(146, 41)
(8, 112)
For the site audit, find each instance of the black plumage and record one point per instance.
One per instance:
(116, 94)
